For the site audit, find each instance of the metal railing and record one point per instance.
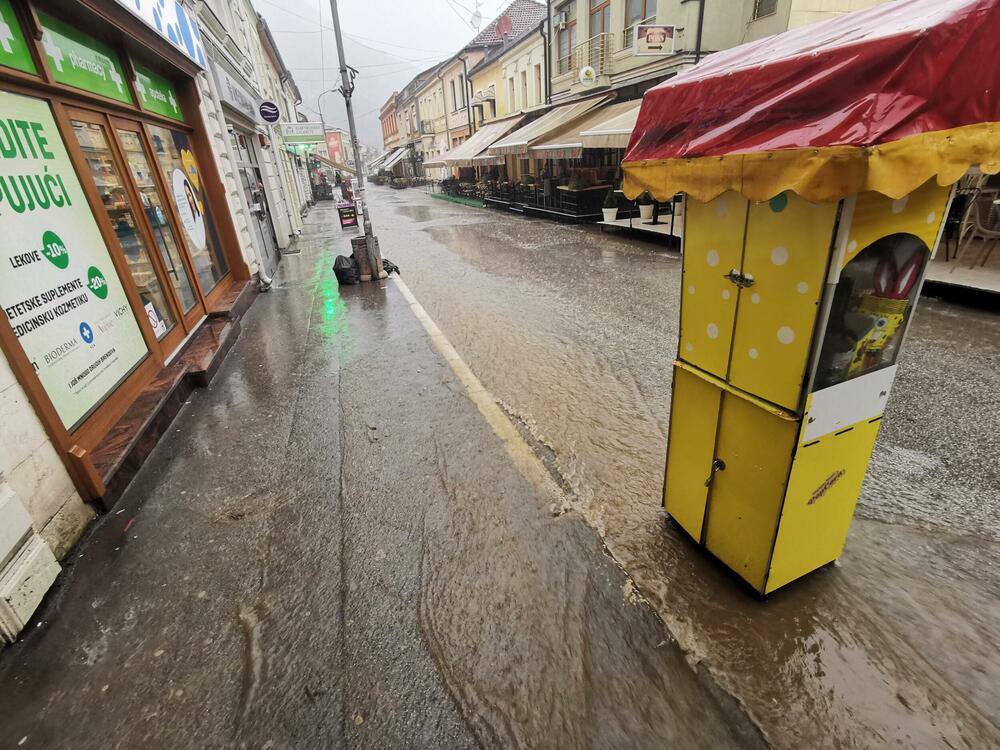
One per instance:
(595, 52)
(628, 36)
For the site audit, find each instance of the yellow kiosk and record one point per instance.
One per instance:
(818, 167)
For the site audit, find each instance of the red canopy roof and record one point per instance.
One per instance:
(870, 77)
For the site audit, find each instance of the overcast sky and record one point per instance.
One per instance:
(388, 41)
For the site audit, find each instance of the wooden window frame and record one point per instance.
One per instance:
(603, 9)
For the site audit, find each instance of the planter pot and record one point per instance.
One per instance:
(646, 212)
(610, 214)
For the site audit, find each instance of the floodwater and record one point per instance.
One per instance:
(574, 333)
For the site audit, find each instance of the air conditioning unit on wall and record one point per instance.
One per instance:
(560, 20)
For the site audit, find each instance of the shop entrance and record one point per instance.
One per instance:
(117, 156)
(253, 191)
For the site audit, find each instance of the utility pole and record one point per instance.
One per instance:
(372, 258)
(347, 89)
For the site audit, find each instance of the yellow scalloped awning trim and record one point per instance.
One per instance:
(824, 174)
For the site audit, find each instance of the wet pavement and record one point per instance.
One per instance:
(331, 547)
(575, 332)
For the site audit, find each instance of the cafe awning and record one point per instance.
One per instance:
(464, 155)
(396, 158)
(518, 142)
(567, 142)
(615, 131)
(880, 100)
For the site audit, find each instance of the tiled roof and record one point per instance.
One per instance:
(525, 15)
(499, 51)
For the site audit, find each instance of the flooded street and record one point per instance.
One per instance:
(386, 578)
(575, 332)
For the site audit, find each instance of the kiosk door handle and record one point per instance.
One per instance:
(742, 280)
(717, 465)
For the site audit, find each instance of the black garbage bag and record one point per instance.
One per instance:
(346, 270)
(389, 267)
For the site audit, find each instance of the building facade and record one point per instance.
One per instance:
(390, 125)
(246, 69)
(157, 191)
(120, 247)
(599, 39)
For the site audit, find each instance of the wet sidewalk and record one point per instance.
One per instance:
(332, 547)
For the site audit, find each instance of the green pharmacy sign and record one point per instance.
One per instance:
(13, 48)
(156, 93)
(82, 62)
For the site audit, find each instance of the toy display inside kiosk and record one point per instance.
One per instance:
(818, 168)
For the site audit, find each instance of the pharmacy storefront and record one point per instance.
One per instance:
(114, 243)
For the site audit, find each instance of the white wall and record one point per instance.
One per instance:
(30, 465)
(215, 123)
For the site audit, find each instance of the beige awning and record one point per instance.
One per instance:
(465, 153)
(377, 161)
(615, 132)
(522, 139)
(396, 158)
(567, 141)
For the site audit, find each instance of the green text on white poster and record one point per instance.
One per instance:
(58, 286)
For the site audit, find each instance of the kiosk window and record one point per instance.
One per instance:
(871, 308)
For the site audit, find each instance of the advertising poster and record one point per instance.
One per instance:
(58, 289)
(348, 215)
(654, 40)
(335, 147)
(180, 169)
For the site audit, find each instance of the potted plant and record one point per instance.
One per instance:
(610, 208)
(645, 202)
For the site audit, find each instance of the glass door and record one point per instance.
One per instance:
(142, 170)
(163, 314)
(173, 153)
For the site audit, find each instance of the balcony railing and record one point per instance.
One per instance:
(628, 36)
(595, 52)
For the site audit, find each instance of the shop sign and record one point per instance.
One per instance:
(77, 60)
(654, 39)
(269, 112)
(156, 93)
(301, 132)
(234, 94)
(13, 47)
(169, 19)
(59, 289)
